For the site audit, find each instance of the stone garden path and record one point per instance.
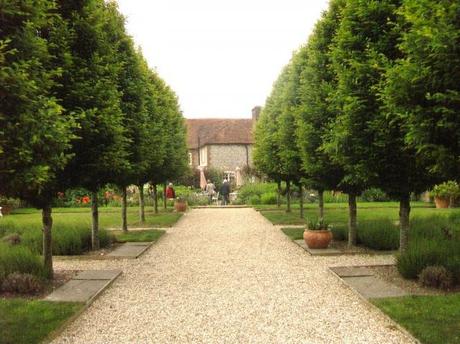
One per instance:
(228, 276)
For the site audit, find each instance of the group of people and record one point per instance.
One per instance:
(210, 190)
(224, 191)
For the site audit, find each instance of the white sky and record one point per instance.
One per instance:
(220, 57)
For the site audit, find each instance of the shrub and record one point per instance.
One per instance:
(339, 233)
(67, 240)
(421, 254)
(254, 200)
(268, 198)
(255, 189)
(334, 197)
(374, 195)
(19, 259)
(379, 234)
(436, 277)
(22, 283)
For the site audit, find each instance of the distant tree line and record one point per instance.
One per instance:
(371, 100)
(80, 107)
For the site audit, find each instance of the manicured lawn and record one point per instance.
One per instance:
(108, 217)
(432, 319)
(31, 321)
(337, 213)
(293, 233)
(139, 236)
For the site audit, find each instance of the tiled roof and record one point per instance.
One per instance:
(218, 131)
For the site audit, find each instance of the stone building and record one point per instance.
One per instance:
(224, 144)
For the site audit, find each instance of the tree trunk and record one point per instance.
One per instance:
(155, 198)
(301, 201)
(321, 204)
(288, 196)
(141, 203)
(404, 215)
(47, 222)
(124, 206)
(94, 222)
(278, 195)
(165, 201)
(352, 230)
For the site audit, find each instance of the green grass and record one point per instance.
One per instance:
(337, 213)
(31, 321)
(432, 319)
(151, 235)
(293, 233)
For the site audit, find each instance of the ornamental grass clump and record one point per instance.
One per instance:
(436, 277)
(22, 283)
(379, 234)
(19, 259)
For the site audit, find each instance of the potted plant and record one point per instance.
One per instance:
(317, 235)
(180, 204)
(7, 204)
(445, 194)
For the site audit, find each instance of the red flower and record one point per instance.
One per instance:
(85, 200)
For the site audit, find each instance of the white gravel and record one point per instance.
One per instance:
(228, 276)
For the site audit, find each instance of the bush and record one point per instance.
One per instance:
(255, 189)
(22, 283)
(268, 198)
(19, 259)
(379, 234)
(436, 277)
(67, 240)
(339, 233)
(374, 195)
(254, 200)
(334, 197)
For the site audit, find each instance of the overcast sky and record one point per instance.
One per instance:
(220, 57)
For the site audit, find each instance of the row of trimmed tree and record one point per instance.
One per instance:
(80, 107)
(372, 100)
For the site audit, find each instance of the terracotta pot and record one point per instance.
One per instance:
(441, 202)
(317, 239)
(6, 209)
(180, 206)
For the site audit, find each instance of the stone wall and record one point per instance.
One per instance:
(229, 157)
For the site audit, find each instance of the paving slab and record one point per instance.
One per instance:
(373, 287)
(318, 251)
(130, 250)
(97, 275)
(352, 271)
(84, 287)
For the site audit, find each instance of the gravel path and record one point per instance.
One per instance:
(228, 276)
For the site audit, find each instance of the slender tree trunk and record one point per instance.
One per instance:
(165, 203)
(47, 222)
(321, 204)
(155, 198)
(352, 215)
(124, 206)
(288, 196)
(94, 222)
(141, 203)
(278, 195)
(404, 215)
(301, 201)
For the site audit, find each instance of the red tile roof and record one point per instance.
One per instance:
(218, 131)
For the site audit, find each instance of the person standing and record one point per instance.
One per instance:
(170, 193)
(210, 190)
(225, 191)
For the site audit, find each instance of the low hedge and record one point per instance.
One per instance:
(19, 259)
(379, 234)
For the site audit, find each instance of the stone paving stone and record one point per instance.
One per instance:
(352, 271)
(84, 287)
(372, 287)
(317, 251)
(97, 275)
(129, 250)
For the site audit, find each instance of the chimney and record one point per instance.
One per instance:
(256, 113)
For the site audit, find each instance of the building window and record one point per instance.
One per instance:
(204, 156)
(190, 159)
